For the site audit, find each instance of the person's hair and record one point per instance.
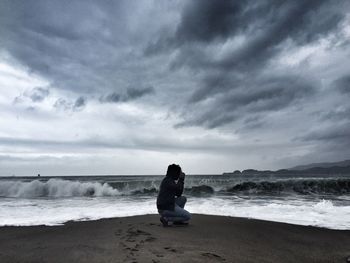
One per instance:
(174, 171)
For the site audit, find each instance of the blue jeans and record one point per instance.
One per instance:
(179, 214)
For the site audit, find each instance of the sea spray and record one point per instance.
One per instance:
(55, 188)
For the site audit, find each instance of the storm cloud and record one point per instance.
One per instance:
(343, 84)
(129, 94)
(269, 79)
(232, 44)
(255, 96)
(37, 94)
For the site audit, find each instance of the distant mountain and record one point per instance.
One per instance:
(321, 165)
(336, 168)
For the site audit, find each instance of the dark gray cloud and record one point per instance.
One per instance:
(112, 97)
(68, 105)
(88, 52)
(256, 96)
(255, 71)
(205, 21)
(343, 84)
(202, 21)
(338, 114)
(37, 94)
(253, 122)
(79, 104)
(78, 47)
(264, 24)
(335, 136)
(298, 21)
(62, 104)
(129, 95)
(133, 93)
(237, 84)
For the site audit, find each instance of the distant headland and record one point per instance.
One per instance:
(336, 168)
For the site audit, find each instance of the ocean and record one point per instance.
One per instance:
(322, 201)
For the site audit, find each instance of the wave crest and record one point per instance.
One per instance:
(199, 190)
(334, 186)
(55, 188)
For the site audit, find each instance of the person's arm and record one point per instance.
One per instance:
(180, 187)
(177, 187)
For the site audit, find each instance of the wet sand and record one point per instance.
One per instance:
(143, 239)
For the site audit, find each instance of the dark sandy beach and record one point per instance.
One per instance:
(143, 239)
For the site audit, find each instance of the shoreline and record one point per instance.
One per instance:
(196, 214)
(208, 238)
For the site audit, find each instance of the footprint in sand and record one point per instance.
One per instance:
(150, 239)
(213, 256)
(170, 249)
(134, 239)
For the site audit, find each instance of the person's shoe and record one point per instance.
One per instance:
(164, 221)
(180, 223)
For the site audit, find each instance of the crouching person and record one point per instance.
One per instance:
(170, 202)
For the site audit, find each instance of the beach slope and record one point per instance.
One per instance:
(143, 239)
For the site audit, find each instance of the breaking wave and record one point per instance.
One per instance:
(55, 188)
(200, 190)
(330, 186)
(67, 188)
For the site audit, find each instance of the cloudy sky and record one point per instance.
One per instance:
(127, 87)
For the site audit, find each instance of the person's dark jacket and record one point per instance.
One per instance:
(168, 190)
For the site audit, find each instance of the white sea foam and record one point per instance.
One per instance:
(321, 213)
(25, 212)
(55, 188)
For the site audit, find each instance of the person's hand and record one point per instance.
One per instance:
(182, 176)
